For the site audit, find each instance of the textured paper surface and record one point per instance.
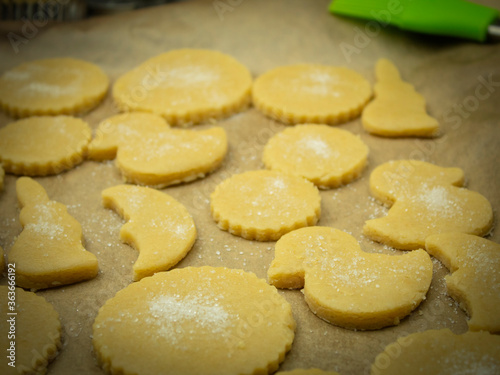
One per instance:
(452, 75)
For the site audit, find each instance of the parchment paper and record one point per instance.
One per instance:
(451, 75)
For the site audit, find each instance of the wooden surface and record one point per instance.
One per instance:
(263, 35)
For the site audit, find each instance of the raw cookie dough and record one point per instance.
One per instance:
(194, 321)
(148, 152)
(158, 226)
(397, 110)
(48, 252)
(126, 127)
(40, 146)
(186, 86)
(346, 286)
(427, 199)
(37, 331)
(440, 352)
(474, 282)
(52, 87)
(311, 371)
(310, 93)
(264, 205)
(328, 157)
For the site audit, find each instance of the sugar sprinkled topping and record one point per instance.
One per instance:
(188, 75)
(48, 89)
(46, 222)
(203, 312)
(437, 199)
(317, 146)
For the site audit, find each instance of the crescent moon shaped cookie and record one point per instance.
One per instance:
(158, 226)
(40, 146)
(264, 205)
(52, 87)
(49, 251)
(186, 86)
(427, 200)
(474, 282)
(346, 286)
(438, 352)
(194, 321)
(397, 110)
(310, 93)
(36, 329)
(328, 157)
(148, 152)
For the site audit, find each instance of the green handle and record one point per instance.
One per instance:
(458, 18)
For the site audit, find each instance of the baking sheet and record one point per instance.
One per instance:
(263, 35)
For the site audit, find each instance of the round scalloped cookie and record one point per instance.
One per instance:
(264, 205)
(326, 156)
(45, 145)
(311, 93)
(52, 87)
(186, 86)
(440, 352)
(194, 321)
(37, 332)
(310, 371)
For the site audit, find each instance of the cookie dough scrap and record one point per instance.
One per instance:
(426, 199)
(311, 371)
(49, 251)
(474, 282)
(186, 86)
(438, 352)
(158, 226)
(346, 286)
(328, 157)
(397, 110)
(36, 328)
(230, 321)
(311, 93)
(149, 152)
(45, 145)
(52, 87)
(264, 205)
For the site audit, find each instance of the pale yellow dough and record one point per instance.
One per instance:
(311, 371)
(328, 157)
(37, 332)
(311, 93)
(52, 87)
(264, 205)
(158, 226)
(149, 152)
(186, 86)
(440, 352)
(474, 282)
(194, 321)
(397, 110)
(40, 146)
(426, 199)
(126, 127)
(346, 286)
(49, 251)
